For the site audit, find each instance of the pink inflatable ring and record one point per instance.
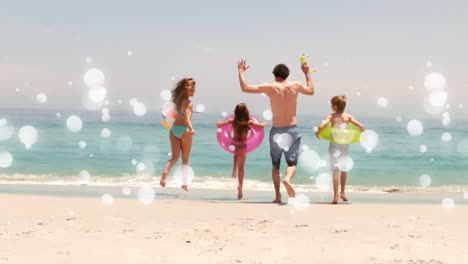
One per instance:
(252, 142)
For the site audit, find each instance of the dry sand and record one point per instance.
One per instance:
(47, 229)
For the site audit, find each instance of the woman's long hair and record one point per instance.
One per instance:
(180, 91)
(240, 122)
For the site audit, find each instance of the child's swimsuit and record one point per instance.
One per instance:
(240, 146)
(179, 130)
(336, 151)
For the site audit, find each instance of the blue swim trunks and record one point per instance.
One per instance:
(281, 143)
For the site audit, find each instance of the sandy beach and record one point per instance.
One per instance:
(55, 229)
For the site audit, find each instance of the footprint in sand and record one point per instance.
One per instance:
(396, 246)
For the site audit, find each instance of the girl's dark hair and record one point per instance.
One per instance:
(340, 102)
(240, 123)
(179, 92)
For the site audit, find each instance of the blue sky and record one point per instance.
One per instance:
(374, 48)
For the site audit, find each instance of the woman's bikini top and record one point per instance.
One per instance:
(180, 113)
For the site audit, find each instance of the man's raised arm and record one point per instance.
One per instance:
(309, 90)
(246, 88)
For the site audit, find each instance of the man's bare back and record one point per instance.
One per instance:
(282, 94)
(283, 102)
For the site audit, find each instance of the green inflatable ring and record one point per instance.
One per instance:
(352, 134)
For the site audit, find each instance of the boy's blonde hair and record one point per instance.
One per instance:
(340, 102)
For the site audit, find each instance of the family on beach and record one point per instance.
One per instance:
(283, 100)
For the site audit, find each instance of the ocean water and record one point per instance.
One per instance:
(57, 158)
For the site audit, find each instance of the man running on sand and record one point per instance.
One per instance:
(283, 101)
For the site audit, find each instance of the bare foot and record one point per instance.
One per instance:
(277, 199)
(234, 175)
(163, 181)
(289, 188)
(185, 187)
(239, 193)
(343, 197)
(335, 200)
